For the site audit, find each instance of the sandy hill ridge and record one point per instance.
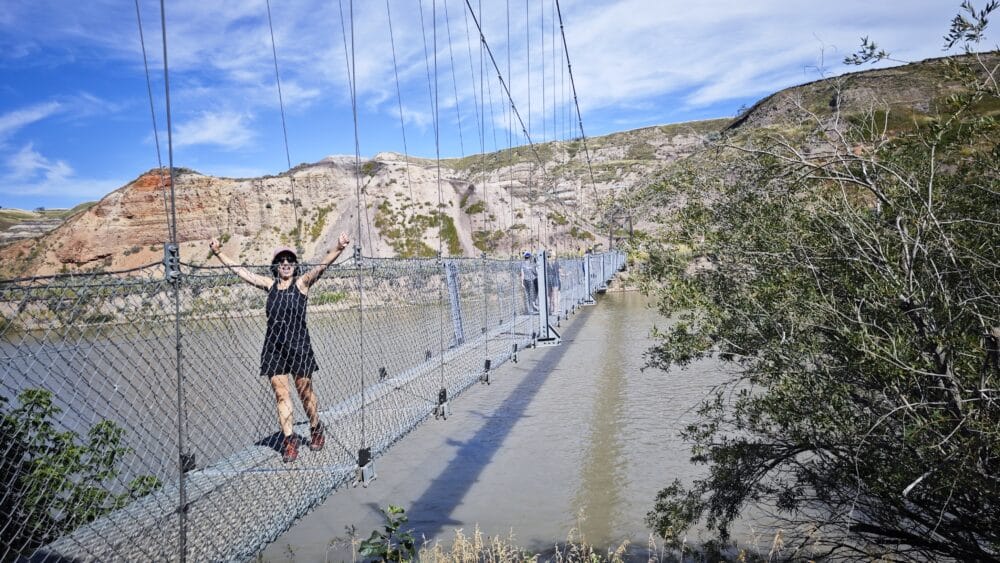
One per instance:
(498, 203)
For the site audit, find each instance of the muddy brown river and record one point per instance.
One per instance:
(574, 437)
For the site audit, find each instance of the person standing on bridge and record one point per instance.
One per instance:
(287, 351)
(552, 273)
(529, 279)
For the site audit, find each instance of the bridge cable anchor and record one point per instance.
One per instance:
(442, 410)
(485, 376)
(171, 262)
(366, 468)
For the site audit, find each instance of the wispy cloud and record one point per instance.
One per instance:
(635, 63)
(224, 129)
(12, 121)
(29, 164)
(28, 172)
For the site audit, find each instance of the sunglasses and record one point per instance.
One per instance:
(285, 260)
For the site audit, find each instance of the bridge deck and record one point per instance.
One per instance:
(237, 506)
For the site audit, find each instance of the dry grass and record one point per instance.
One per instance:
(478, 548)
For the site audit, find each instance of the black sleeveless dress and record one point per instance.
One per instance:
(287, 348)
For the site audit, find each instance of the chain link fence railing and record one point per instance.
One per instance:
(135, 425)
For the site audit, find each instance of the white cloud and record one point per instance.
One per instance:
(225, 129)
(632, 60)
(12, 121)
(28, 164)
(28, 173)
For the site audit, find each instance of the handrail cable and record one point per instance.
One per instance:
(152, 113)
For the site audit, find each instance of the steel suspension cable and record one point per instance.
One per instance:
(277, 80)
(524, 128)
(510, 129)
(576, 102)
(178, 350)
(441, 215)
(427, 62)
(527, 54)
(552, 34)
(284, 132)
(454, 77)
(532, 198)
(472, 72)
(152, 113)
(488, 232)
(352, 86)
(541, 10)
(399, 99)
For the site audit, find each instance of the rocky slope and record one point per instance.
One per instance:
(498, 203)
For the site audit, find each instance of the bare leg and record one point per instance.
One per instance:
(308, 397)
(283, 397)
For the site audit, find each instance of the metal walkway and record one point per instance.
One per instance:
(393, 338)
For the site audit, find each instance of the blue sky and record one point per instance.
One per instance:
(75, 120)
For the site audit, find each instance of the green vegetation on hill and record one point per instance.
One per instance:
(11, 217)
(405, 233)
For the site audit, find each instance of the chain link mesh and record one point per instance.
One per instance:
(92, 466)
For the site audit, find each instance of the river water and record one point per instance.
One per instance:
(575, 437)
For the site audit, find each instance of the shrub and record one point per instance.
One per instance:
(55, 481)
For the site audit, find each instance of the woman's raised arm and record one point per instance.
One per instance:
(312, 275)
(251, 278)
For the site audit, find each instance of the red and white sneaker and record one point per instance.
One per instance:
(317, 439)
(290, 450)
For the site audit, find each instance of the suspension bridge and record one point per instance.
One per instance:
(138, 429)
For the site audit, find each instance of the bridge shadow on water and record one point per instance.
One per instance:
(430, 513)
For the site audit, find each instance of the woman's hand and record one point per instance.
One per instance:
(343, 241)
(214, 245)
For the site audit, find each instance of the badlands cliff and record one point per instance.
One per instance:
(498, 203)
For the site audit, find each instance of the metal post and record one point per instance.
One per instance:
(172, 272)
(547, 336)
(451, 276)
(588, 295)
(542, 277)
(604, 275)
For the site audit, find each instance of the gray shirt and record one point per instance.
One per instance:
(528, 271)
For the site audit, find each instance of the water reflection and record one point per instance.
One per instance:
(602, 474)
